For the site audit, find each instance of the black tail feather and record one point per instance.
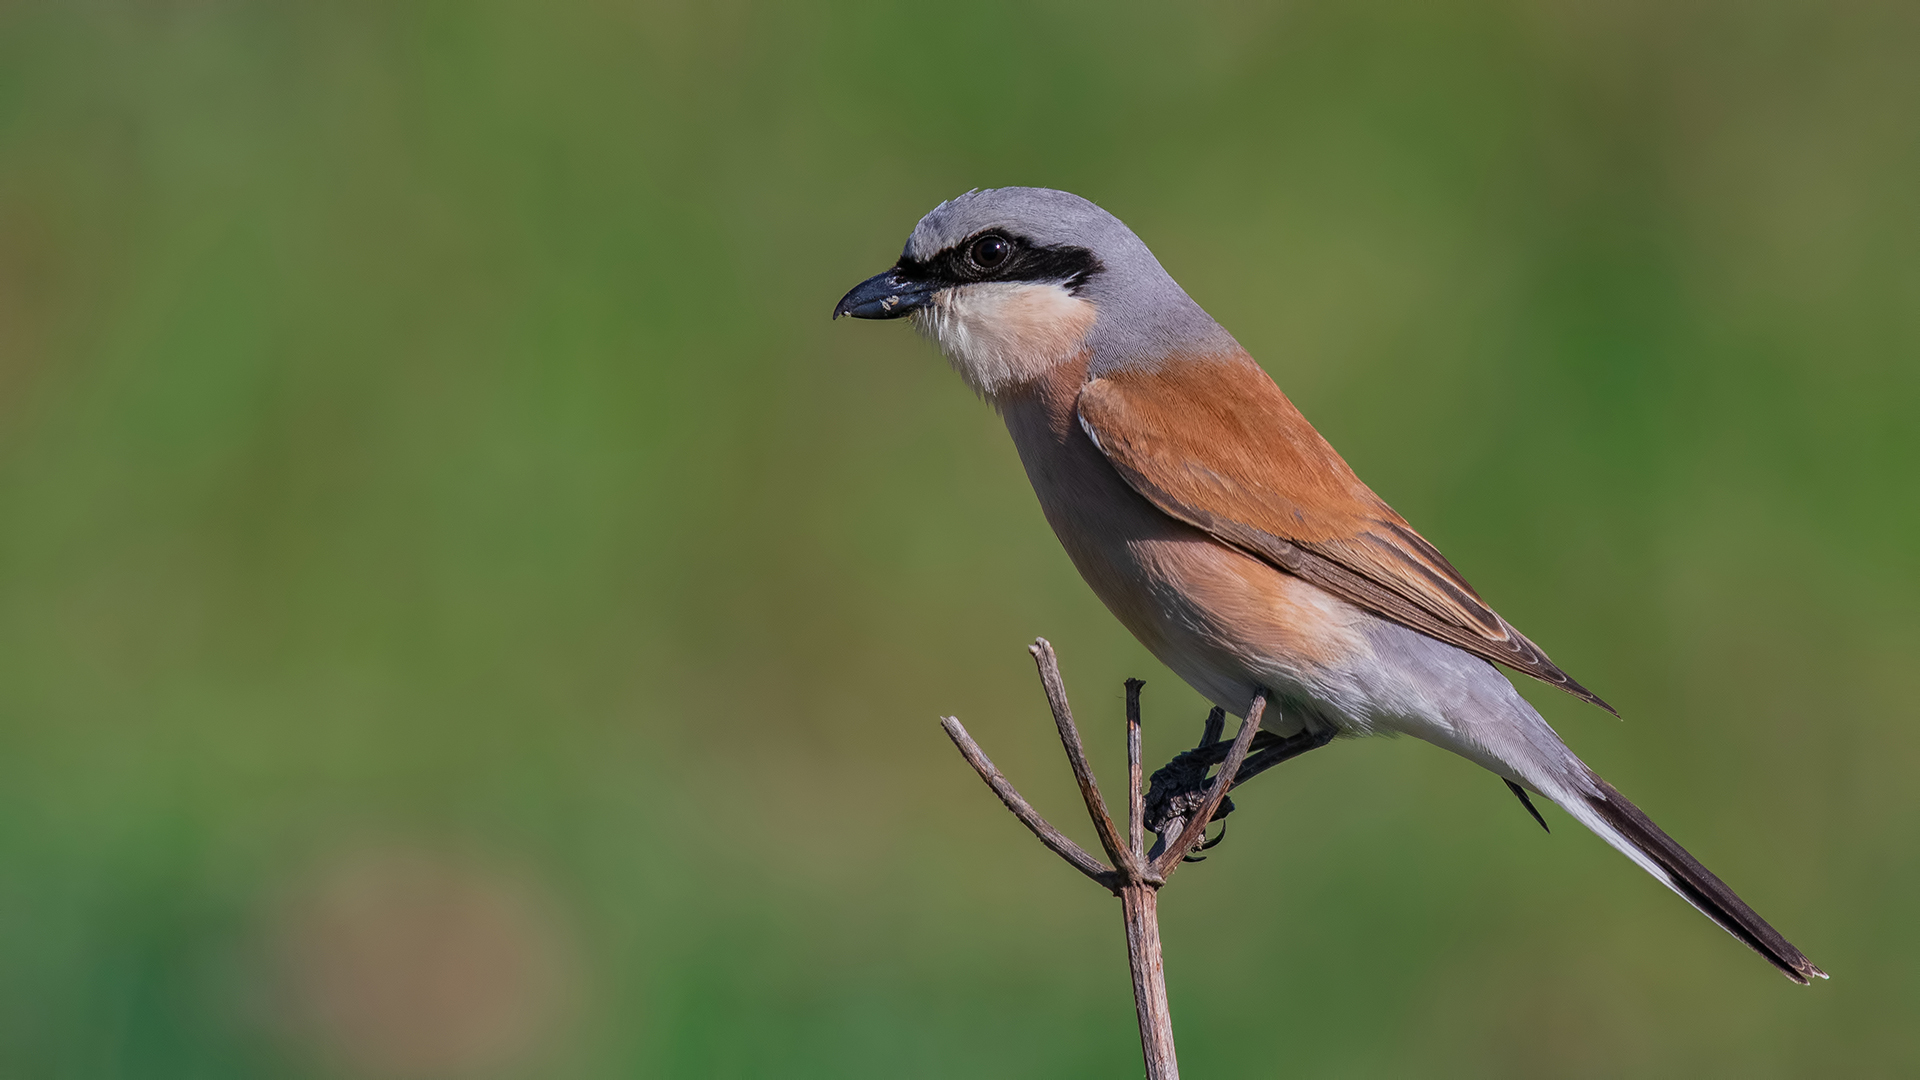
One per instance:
(1521, 794)
(1699, 886)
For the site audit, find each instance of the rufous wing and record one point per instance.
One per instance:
(1215, 443)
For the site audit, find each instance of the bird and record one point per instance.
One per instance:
(1222, 530)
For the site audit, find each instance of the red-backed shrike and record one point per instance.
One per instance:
(1222, 530)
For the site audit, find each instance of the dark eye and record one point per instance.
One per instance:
(990, 251)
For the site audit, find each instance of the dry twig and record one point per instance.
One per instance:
(1135, 876)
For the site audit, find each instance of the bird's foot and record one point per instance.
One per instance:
(1179, 787)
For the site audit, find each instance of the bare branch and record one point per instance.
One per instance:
(1140, 906)
(1138, 878)
(1136, 806)
(1196, 826)
(1049, 666)
(1056, 841)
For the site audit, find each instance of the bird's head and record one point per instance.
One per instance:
(1012, 282)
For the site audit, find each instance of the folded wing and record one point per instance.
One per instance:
(1216, 444)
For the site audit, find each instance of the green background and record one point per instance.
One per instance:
(434, 498)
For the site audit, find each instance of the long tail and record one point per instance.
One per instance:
(1466, 705)
(1620, 823)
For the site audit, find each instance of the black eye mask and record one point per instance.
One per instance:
(1019, 259)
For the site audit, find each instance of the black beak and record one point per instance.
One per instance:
(884, 296)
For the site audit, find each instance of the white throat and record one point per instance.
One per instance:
(1003, 335)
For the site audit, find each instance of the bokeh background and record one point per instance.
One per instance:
(466, 612)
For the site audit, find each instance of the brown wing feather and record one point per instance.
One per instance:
(1216, 444)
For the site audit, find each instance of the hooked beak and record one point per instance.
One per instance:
(884, 296)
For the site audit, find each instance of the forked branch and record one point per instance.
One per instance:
(1132, 877)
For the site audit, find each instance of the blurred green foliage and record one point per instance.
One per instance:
(421, 431)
